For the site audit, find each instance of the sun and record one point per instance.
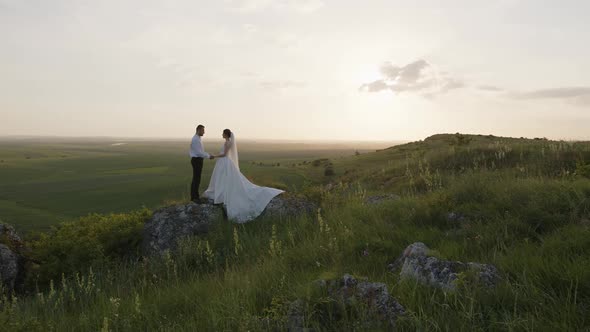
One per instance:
(368, 73)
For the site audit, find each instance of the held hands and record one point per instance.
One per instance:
(211, 157)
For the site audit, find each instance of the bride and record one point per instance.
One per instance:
(243, 200)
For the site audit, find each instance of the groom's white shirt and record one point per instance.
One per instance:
(197, 148)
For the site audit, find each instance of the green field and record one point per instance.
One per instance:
(44, 181)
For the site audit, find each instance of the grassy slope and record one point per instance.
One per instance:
(524, 211)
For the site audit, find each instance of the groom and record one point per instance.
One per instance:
(197, 154)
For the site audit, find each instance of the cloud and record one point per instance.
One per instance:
(567, 92)
(418, 76)
(576, 95)
(376, 86)
(451, 84)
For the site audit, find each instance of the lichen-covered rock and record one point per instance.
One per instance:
(417, 263)
(9, 237)
(285, 205)
(12, 261)
(168, 225)
(350, 292)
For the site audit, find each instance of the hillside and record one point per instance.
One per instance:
(520, 205)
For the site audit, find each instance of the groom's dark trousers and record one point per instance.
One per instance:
(197, 164)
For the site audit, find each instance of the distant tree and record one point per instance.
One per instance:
(329, 171)
(357, 153)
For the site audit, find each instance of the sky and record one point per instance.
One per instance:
(295, 69)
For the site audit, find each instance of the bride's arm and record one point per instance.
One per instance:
(225, 149)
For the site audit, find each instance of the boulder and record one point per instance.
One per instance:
(168, 225)
(288, 206)
(350, 292)
(12, 261)
(417, 262)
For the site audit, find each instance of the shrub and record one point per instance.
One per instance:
(461, 139)
(583, 170)
(92, 240)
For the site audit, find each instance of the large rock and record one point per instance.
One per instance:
(286, 205)
(12, 261)
(417, 263)
(168, 225)
(383, 309)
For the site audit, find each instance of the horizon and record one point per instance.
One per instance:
(187, 138)
(267, 140)
(298, 70)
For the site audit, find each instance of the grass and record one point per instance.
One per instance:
(533, 225)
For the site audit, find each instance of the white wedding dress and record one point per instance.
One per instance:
(243, 200)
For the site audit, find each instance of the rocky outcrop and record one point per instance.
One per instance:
(383, 309)
(168, 225)
(416, 262)
(12, 261)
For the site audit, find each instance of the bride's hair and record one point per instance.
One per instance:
(227, 133)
